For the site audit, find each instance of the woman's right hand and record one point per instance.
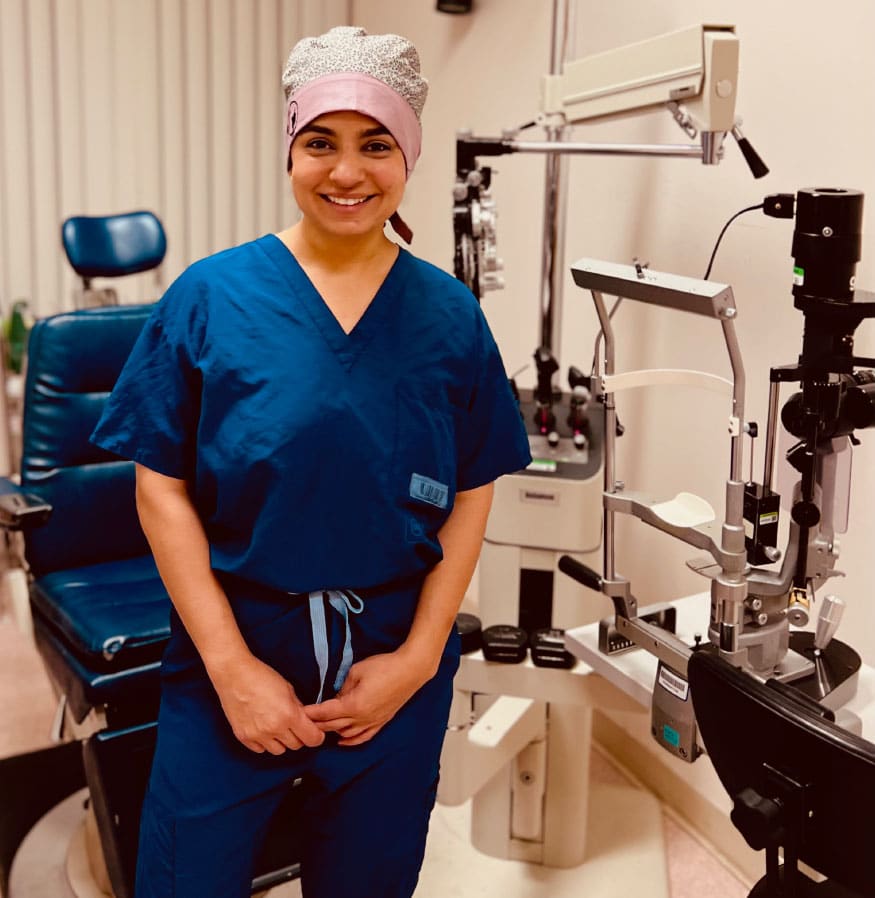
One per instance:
(262, 708)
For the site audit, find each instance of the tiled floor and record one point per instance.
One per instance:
(453, 867)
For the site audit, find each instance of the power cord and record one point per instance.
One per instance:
(776, 205)
(717, 244)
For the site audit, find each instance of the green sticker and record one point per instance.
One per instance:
(798, 276)
(543, 464)
(673, 737)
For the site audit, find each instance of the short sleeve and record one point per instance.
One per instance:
(491, 439)
(152, 414)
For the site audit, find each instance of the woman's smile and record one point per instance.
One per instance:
(348, 201)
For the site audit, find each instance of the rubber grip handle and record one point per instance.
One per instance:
(580, 572)
(758, 168)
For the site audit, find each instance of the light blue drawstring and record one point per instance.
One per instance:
(343, 601)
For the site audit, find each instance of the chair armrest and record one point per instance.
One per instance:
(20, 510)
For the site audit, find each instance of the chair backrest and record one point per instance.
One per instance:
(819, 777)
(74, 360)
(114, 245)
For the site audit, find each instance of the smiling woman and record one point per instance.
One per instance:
(286, 404)
(347, 174)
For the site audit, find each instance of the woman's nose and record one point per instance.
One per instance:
(347, 170)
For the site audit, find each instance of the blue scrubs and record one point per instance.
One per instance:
(322, 465)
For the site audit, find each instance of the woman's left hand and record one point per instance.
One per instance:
(373, 692)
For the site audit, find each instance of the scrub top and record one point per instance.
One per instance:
(317, 459)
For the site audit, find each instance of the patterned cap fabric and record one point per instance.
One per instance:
(389, 58)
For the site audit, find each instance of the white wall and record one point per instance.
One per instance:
(113, 105)
(807, 94)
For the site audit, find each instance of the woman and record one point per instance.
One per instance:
(317, 419)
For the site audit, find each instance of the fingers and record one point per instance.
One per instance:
(290, 741)
(335, 725)
(272, 746)
(282, 742)
(306, 726)
(302, 727)
(308, 733)
(331, 716)
(360, 736)
(290, 734)
(327, 710)
(351, 723)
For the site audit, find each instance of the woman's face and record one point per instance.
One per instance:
(348, 174)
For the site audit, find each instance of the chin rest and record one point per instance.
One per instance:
(100, 611)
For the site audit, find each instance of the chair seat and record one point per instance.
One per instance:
(128, 696)
(111, 616)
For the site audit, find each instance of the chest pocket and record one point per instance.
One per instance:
(423, 473)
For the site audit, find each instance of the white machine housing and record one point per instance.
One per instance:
(520, 746)
(536, 519)
(697, 66)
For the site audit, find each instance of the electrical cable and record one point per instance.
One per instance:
(717, 244)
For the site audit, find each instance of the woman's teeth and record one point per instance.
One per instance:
(347, 200)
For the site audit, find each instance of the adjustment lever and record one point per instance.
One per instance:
(580, 572)
(576, 378)
(757, 167)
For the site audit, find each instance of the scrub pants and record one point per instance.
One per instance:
(210, 799)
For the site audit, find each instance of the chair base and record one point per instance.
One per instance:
(88, 796)
(56, 861)
(32, 784)
(805, 888)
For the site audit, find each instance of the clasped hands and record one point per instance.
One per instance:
(267, 716)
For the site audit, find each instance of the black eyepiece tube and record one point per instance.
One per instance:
(826, 243)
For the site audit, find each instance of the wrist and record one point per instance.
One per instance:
(422, 661)
(226, 663)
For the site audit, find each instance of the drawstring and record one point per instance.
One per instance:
(343, 601)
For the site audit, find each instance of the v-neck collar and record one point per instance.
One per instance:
(346, 346)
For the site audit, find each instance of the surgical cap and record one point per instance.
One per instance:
(349, 69)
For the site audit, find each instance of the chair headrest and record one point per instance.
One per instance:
(114, 245)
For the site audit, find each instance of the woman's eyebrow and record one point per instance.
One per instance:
(378, 131)
(317, 129)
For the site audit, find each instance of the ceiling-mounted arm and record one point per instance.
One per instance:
(696, 67)
(692, 72)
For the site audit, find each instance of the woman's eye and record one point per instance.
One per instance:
(378, 146)
(318, 143)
